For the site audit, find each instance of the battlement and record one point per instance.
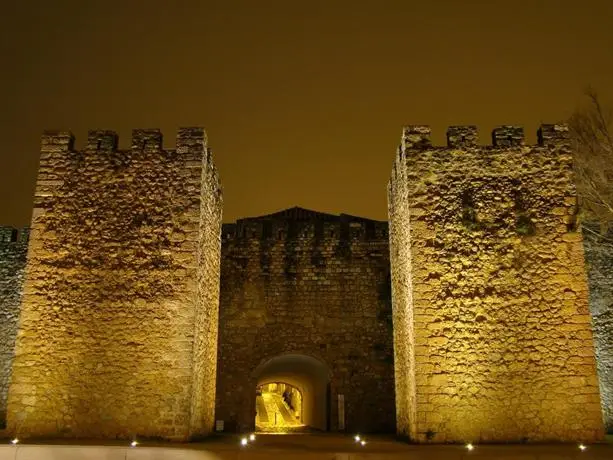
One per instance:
(57, 141)
(508, 136)
(418, 137)
(553, 133)
(58, 153)
(188, 140)
(14, 235)
(462, 136)
(416, 142)
(191, 139)
(60, 162)
(102, 140)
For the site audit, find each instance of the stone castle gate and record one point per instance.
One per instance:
(128, 268)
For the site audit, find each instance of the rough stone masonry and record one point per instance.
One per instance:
(599, 262)
(118, 327)
(13, 250)
(492, 338)
(491, 322)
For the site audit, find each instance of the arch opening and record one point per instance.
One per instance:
(292, 394)
(278, 407)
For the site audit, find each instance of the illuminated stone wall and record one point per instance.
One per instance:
(403, 323)
(314, 284)
(493, 337)
(117, 334)
(599, 263)
(13, 252)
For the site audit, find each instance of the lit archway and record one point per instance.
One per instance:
(302, 375)
(278, 407)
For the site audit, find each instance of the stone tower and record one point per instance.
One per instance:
(491, 322)
(118, 327)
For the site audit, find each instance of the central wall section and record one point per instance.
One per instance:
(300, 282)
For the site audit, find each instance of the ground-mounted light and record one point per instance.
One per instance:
(362, 442)
(582, 447)
(252, 437)
(134, 443)
(357, 438)
(244, 441)
(14, 441)
(469, 446)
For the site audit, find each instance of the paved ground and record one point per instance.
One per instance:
(331, 447)
(273, 415)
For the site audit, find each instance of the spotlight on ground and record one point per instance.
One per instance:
(582, 447)
(363, 442)
(14, 441)
(252, 437)
(134, 444)
(357, 438)
(469, 446)
(244, 441)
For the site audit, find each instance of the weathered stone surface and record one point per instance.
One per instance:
(314, 284)
(118, 327)
(492, 336)
(491, 322)
(13, 254)
(599, 263)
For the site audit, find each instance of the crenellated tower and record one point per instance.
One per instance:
(118, 330)
(491, 322)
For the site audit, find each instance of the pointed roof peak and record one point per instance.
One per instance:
(299, 213)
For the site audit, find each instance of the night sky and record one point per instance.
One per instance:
(303, 101)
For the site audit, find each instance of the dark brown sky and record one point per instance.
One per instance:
(303, 101)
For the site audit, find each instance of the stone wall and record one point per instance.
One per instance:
(312, 284)
(13, 252)
(492, 328)
(117, 334)
(599, 262)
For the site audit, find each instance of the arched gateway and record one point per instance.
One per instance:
(299, 289)
(292, 392)
(118, 327)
